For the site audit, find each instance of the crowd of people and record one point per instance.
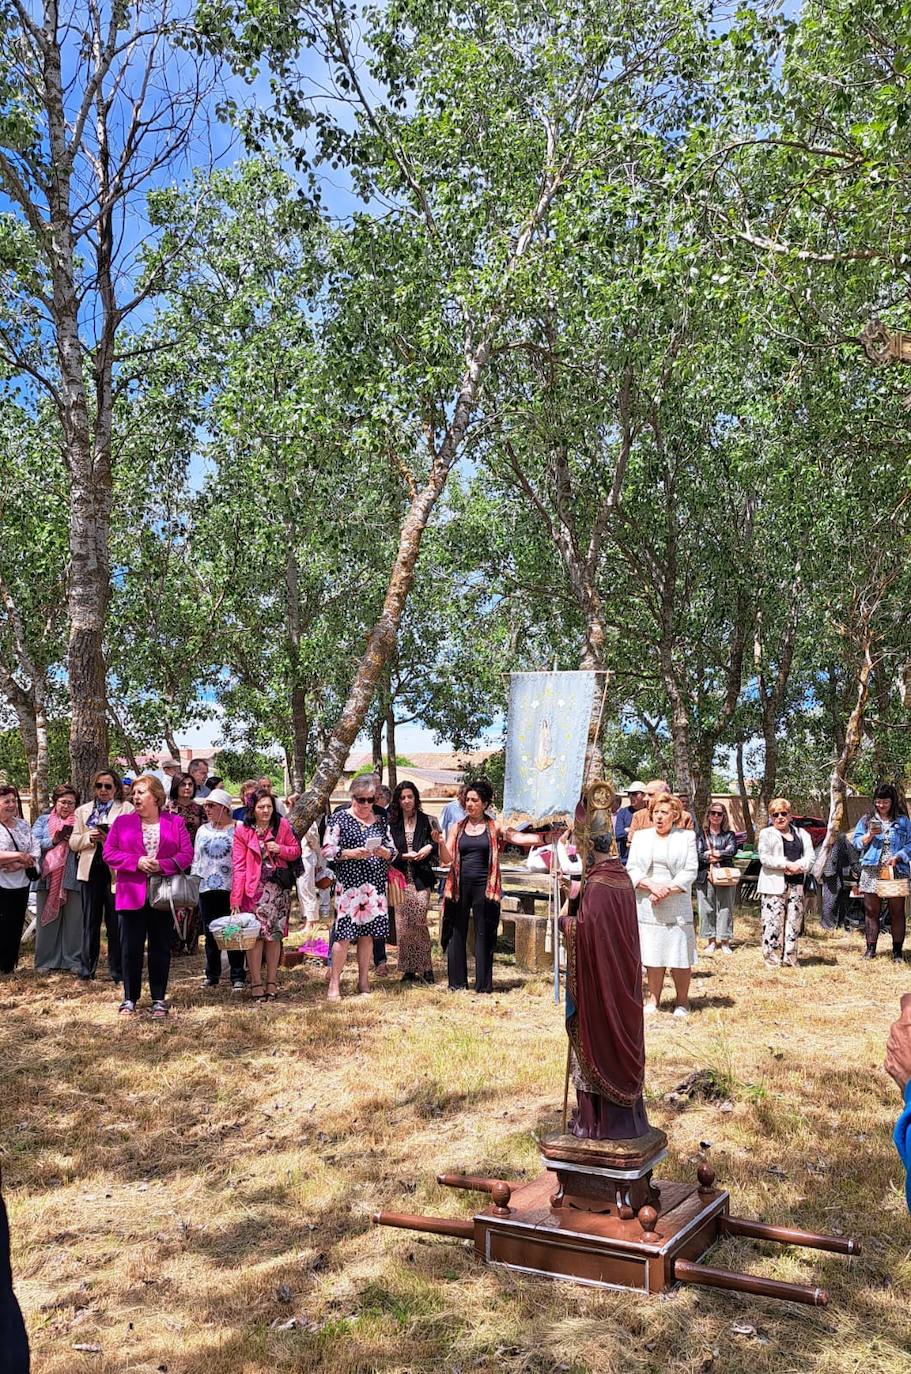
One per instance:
(104, 863)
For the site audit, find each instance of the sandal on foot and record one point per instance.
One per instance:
(271, 996)
(159, 1010)
(126, 1008)
(333, 996)
(258, 996)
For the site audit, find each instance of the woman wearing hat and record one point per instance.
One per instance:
(212, 864)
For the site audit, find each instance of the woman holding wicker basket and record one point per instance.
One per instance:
(213, 865)
(883, 839)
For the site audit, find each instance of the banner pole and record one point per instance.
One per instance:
(555, 902)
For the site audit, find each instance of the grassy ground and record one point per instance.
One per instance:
(180, 1192)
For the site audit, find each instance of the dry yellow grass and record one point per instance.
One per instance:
(179, 1191)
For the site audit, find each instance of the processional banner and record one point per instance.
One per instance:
(547, 734)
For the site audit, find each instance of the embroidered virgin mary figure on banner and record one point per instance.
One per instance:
(549, 719)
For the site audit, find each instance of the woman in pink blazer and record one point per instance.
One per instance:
(264, 845)
(150, 840)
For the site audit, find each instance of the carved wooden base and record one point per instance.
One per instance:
(650, 1251)
(610, 1177)
(599, 1247)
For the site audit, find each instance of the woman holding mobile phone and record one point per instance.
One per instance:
(883, 838)
(91, 824)
(359, 847)
(419, 846)
(58, 936)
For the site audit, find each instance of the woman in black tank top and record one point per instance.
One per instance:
(473, 838)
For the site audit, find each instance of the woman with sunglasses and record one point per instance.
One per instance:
(359, 847)
(883, 840)
(785, 858)
(91, 824)
(716, 845)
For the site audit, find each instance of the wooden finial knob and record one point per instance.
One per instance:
(706, 1176)
(648, 1219)
(501, 1193)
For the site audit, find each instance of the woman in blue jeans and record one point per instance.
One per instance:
(716, 845)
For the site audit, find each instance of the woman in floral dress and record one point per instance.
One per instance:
(358, 846)
(264, 847)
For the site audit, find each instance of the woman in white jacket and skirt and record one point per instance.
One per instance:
(663, 865)
(785, 857)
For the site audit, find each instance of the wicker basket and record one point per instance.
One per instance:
(892, 887)
(239, 933)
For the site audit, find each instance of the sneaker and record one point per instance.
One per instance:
(898, 956)
(710, 947)
(239, 988)
(726, 949)
(208, 982)
(382, 970)
(126, 1008)
(650, 1009)
(159, 1010)
(681, 1011)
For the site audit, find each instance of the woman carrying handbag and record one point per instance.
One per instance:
(140, 848)
(716, 845)
(264, 848)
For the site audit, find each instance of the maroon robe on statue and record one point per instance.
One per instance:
(604, 1006)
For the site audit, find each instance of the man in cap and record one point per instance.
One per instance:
(624, 817)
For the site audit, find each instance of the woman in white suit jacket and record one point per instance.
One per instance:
(785, 857)
(663, 865)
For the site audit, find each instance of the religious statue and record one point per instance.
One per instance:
(604, 984)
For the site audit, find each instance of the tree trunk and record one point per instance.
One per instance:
(853, 737)
(680, 736)
(167, 735)
(300, 736)
(300, 729)
(32, 720)
(701, 780)
(390, 745)
(744, 798)
(39, 782)
(769, 772)
(376, 740)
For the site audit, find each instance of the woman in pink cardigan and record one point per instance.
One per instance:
(264, 847)
(147, 841)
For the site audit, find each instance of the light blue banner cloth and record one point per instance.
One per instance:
(546, 738)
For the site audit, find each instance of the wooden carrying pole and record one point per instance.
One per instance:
(706, 1277)
(787, 1235)
(438, 1226)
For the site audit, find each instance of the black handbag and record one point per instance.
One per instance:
(31, 872)
(283, 878)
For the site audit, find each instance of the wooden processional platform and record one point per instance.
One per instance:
(596, 1216)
